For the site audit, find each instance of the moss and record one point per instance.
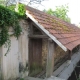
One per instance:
(58, 25)
(35, 69)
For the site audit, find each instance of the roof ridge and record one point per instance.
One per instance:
(53, 16)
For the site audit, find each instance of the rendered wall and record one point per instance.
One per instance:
(15, 63)
(10, 62)
(23, 49)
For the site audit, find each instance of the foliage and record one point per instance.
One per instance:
(60, 12)
(11, 7)
(2, 2)
(21, 78)
(8, 19)
(21, 10)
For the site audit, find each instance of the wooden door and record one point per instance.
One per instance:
(35, 51)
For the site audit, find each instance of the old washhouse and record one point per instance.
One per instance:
(62, 42)
(47, 45)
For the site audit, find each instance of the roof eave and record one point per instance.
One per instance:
(47, 32)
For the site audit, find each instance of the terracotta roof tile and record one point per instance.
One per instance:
(73, 44)
(69, 40)
(57, 36)
(68, 34)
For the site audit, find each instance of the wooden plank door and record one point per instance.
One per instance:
(35, 51)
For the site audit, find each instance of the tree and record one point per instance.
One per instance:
(60, 12)
(2, 2)
(29, 2)
(16, 3)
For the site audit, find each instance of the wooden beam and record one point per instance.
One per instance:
(38, 36)
(38, 28)
(67, 71)
(54, 78)
(70, 54)
(50, 59)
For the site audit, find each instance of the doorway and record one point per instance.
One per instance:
(35, 56)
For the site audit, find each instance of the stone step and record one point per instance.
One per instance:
(31, 78)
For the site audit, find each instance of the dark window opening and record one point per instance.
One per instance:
(75, 50)
(36, 31)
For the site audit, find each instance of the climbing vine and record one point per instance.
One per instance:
(21, 10)
(8, 19)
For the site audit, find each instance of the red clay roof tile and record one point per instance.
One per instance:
(68, 34)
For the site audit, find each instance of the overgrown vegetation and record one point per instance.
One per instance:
(35, 69)
(9, 18)
(21, 10)
(21, 78)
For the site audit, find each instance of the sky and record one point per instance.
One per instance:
(74, 8)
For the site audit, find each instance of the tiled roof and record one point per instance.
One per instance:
(66, 33)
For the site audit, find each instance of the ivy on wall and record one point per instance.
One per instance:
(21, 10)
(8, 18)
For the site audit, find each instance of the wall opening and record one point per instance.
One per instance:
(76, 73)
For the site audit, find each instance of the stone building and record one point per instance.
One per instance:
(47, 45)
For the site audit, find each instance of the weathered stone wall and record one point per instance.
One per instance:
(9, 63)
(17, 57)
(23, 49)
(23, 42)
(60, 56)
(44, 51)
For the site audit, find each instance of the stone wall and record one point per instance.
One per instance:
(17, 57)
(44, 51)
(60, 56)
(23, 49)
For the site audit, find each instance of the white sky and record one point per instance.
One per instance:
(74, 8)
